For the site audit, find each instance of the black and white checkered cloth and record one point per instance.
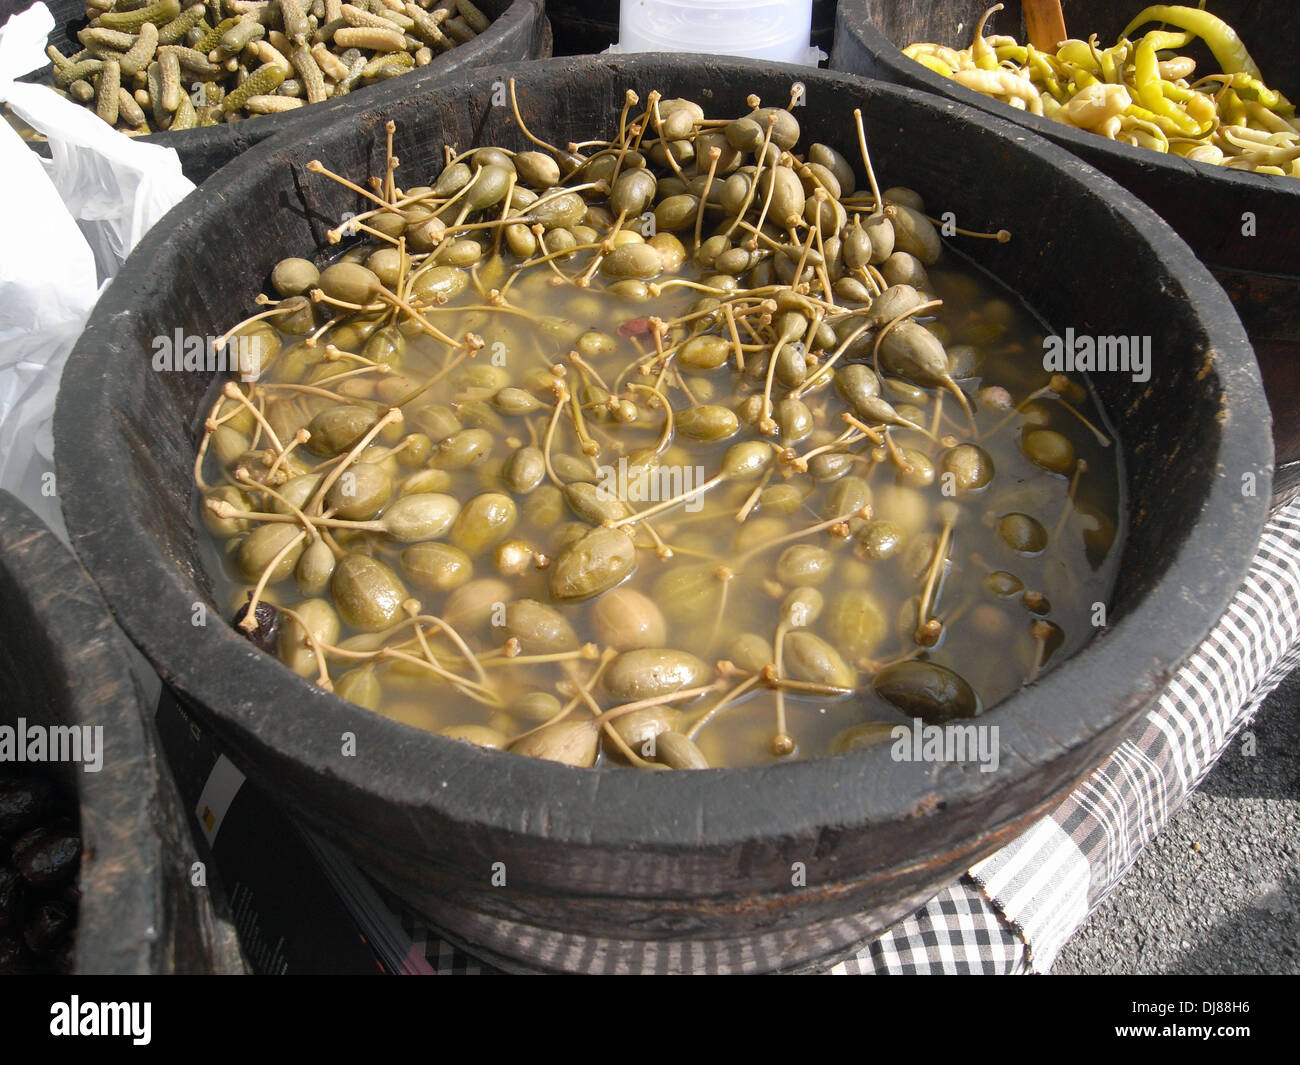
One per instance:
(1014, 911)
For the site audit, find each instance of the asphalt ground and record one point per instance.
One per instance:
(1218, 891)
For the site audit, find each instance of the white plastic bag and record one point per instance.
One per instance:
(71, 221)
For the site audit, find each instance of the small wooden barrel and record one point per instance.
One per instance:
(613, 870)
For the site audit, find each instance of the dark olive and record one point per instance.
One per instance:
(926, 690)
(267, 633)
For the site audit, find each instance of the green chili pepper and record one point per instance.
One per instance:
(1077, 54)
(1147, 81)
(1221, 38)
(1167, 41)
(936, 64)
(981, 51)
(1041, 65)
(1249, 88)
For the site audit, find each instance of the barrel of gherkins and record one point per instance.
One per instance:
(82, 766)
(235, 60)
(542, 865)
(1243, 225)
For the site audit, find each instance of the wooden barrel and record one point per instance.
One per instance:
(63, 663)
(518, 32)
(1244, 226)
(614, 870)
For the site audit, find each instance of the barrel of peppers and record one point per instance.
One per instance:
(1241, 223)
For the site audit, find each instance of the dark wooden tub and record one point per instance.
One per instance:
(1207, 205)
(611, 870)
(519, 31)
(64, 663)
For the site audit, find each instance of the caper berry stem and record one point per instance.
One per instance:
(1101, 437)
(761, 160)
(311, 339)
(210, 425)
(336, 354)
(318, 650)
(581, 689)
(355, 225)
(464, 684)
(630, 100)
(392, 416)
(523, 126)
(819, 198)
(1002, 236)
(874, 434)
(317, 296)
(735, 338)
(561, 399)
(895, 455)
(771, 185)
(661, 549)
(751, 500)
(936, 422)
(1080, 468)
(727, 699)
(876, 278)
(412, 608)
(800, 462)
(782, 742)
(466, 351)
(247, 481)
(232, 391)
(938, 561)
(1041, 632)
(799, 534)
(827, 366)
(879, 206)
(725, 575)
(822, 276)
(309, 522)
(250, 618)
(612, 733)
(1015, 412)
(807, 687)
(715, 153)
(668, 504)
(659, 700)
(587, 368)
(315, 166)
(586, 652)
(666, 435)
